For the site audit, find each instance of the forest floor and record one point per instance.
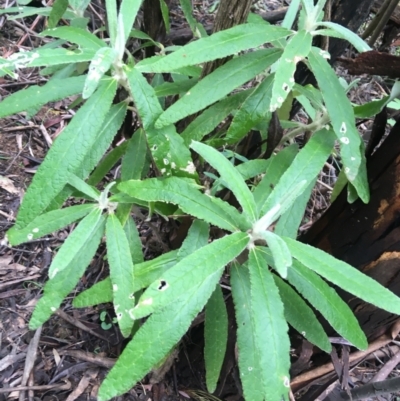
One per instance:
(68, 358)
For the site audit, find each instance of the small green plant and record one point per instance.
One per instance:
(271, 273)
(105, 320)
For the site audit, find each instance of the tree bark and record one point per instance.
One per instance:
(230, 13)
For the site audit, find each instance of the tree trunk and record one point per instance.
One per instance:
(230, 13)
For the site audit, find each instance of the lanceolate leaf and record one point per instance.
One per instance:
(218, 84)
(210, 118)
(288, 224)
(75, 243)
(112, 24)
(63, 283)
(249, 364)
(339, 31)
(135, 244)
(197, 237)
(44, 57)
(121, 273)
(344, 276)
(57, 10)
(230, 176)
(305, 167)
(83, 187)
(81, 37)
(278, 165)
(251, 112)
(341, 114)
(219, 45)
(179, 192)
(135, 158)
(190, 272)
(145, 273)
(99, 65)
(280, 252)
(128, 11)
(215, 337)
(39, 95)
(156, 338)
(169, 152)
(325, 299)
(67, 154)
(272, 340)
(48, 223)
(296, 50)
(300, 316)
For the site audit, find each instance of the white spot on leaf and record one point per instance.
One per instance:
(53, 309)
(345, 140)
(343, 128)
(115, 287)
(166, 161)
(35, 230)
(286, 381)
(29, 236)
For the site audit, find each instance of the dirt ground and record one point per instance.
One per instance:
(68, 357)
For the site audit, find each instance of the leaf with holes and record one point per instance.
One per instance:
(296, 50)
(190, 272)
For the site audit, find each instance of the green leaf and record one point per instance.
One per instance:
(109, 161)
(325, 299)
(82, 186)
(371, 109)
(300, 316)
(121, 273)
(197, 29)
(252, 168)
(44, 57)
(144, 274)
(175, 88)
(112, 24)
(210, 118)
(269, 323)
(288, 224)
(249, 364)
(135, 244)
(176, 191)
(169, 152)
(296, 50)
(48, 223)
(101, 142)
(190, 272)
(81, 37)
(67, 154)
(277, 165)
(100, 64)
(215, 337)
(197, 238)
(251, 112)
(218, 45)
(165, 15)
(28, 11)
(341, 32)
(345, 276)
(218, 84)
(304, 168)
(99, 293)
(63, 283)
(134, 160)
(280, 252)
(75, 243)
(154, 340)
(341, 114)
(128, 11)
(230, 176)
(40, 95)
(57, 11)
